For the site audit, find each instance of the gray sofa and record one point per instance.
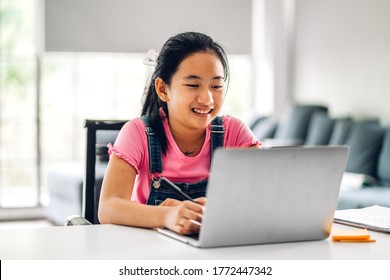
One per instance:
(367, 178)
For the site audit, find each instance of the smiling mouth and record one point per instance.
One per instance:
(202, 112)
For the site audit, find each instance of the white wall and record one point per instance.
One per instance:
(137, 25)
(342, 56)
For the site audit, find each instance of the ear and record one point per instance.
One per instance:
(161, 89)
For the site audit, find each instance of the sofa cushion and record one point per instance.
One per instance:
(340, 132)
(254, 120)
(384, 160)
(364, 197)
(320, 129)
(264, 128)
(296, 124)
(365, 142)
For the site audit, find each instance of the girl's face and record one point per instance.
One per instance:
(196, 93)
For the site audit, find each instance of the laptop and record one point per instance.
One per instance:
(260, 196)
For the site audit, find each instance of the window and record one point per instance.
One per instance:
(83, 86)
(18, 102)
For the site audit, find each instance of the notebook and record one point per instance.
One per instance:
(259, 196)
(374, 217)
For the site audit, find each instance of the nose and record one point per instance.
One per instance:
(205, 97)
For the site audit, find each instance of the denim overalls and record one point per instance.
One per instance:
(158, 193)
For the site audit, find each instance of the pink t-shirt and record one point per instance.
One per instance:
(131, 145)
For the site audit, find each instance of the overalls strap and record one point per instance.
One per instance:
(217, 134)
(154, 148)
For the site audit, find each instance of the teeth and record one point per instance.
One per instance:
(201, 111)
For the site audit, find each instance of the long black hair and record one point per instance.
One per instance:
(173, 52)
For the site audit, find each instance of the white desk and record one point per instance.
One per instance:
(120, 242)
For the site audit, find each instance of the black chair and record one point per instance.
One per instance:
(99, 134)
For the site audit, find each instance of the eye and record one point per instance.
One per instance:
(217, 87)
(192, 85)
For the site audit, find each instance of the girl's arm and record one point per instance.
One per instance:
(115, 206)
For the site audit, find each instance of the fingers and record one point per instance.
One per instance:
(189, 217)
(201, 200)
(188, 226)
(191, 210)
(184, 217)
(194, 206)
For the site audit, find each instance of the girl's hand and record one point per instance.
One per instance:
(175, 202)
(186, 216)
(170, 202)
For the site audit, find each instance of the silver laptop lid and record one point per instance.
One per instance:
(272, 195)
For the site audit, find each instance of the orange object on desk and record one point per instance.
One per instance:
(351, 235)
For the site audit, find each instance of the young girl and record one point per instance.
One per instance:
(174, 138)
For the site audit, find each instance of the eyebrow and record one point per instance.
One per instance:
(195, 77)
